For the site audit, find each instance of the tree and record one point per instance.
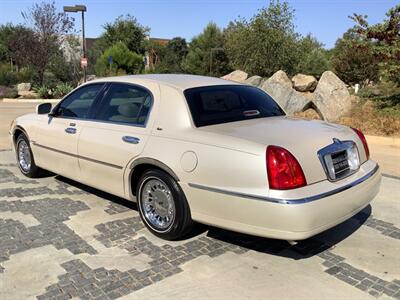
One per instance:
(124, 29)
(200, 51)
(312, 57)
(353, 59)
(385, 41)
(123, 61)
(264, 44)
(49, 30)
(13, 41)
(172, 56)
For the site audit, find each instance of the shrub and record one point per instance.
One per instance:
(8, 78)
(61, 90)
(7, 92)
(44, 92)
(124, 60)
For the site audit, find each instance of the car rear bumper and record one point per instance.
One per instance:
(295, 215)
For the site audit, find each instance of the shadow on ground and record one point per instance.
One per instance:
(302, 250)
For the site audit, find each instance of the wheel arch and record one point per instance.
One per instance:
(17, 132)
(141, 165)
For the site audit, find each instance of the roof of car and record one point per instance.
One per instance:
(180, 81)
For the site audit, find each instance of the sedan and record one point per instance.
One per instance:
(192, 148)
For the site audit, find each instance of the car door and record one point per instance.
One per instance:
(56, 141)
(116, 134)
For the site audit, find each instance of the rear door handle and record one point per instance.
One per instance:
(130, 139)
(70, 130)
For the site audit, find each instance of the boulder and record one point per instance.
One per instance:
(331, 97)
(279, 87)
(238, 75)
(304, 83)
(24, 87)
(254, 80)
(279, 77)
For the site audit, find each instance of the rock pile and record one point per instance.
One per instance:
(24, 91)
(329, 96)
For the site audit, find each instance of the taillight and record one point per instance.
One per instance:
(284, 171)
(363, 140)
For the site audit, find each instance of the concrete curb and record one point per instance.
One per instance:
(383, 140)
(10, 100)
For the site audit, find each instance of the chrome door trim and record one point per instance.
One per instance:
(79, 157)
(288, 201)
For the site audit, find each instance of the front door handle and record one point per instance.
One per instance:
(130, 139)
(70, 130)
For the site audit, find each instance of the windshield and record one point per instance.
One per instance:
(229, 103)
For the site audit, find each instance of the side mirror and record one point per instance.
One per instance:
(43, 108)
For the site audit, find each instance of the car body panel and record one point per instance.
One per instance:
(283, 221)
(52, 142)
(303, 138)
(220, 168)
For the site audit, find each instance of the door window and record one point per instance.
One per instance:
(125, 103)
(77, 105)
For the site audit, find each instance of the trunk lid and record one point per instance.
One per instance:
(303, 138)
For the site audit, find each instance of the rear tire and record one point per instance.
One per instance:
(25, 159)
(162, 205)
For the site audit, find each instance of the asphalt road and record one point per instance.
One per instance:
(8, 112)
(61, 240)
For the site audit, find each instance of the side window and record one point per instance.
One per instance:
(77, 104)
(125, 103)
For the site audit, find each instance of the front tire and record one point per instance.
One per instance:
(162, 205)
(25, 159)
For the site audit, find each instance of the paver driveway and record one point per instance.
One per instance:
(61, 240)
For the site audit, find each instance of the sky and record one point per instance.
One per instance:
(326, 20)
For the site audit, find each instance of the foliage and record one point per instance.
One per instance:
(15, 42)
(385, 40)
(264, 44)
(171, 56)
(62, 69)
(126, 30)
(10, 78)
(204, 46)
(8, 92)
(49, 29)
(123, 60)
(353, 59)
(61, 90)
(385, 96)
(44, 92)
(8, 33)
(313, 59)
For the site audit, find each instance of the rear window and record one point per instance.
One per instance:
(229, 103)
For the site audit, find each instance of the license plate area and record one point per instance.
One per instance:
(339, 159)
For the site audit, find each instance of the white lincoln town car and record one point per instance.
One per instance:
(192, 148)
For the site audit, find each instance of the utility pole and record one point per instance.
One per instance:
(82, 9)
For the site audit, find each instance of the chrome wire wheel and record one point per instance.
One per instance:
(157, 204)
(24, 156)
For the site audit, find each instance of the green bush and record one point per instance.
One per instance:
(62, 89)
(124, 61)
(44, 92)
(8, 92)
(8, 78)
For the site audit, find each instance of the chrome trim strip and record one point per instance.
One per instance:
(78, 156)
(288, 201)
